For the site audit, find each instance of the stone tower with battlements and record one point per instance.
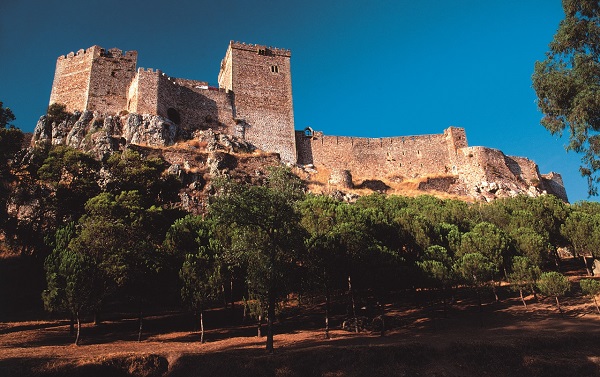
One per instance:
(260, 79)
(94, 79)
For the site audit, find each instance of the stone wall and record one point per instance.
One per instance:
(372, 158)
(143, 92)
(72, 77)
(260, 78)
(94, 79)
(111, 75)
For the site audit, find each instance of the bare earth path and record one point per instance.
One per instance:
(507, 340)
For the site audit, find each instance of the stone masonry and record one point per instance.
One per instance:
(254, 102)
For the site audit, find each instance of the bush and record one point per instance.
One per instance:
(57, 112)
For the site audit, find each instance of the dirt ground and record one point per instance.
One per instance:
(505, 339)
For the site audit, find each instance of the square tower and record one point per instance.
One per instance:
(261, 81)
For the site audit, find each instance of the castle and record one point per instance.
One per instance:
(254, 102)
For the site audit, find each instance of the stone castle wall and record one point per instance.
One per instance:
(254, 102)
(72, 77)
(375, 158)
(94, 79)
(110, 78)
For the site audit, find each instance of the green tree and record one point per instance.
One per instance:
(267, 217)
(201, 275)
(118, 234)
(131, 171)
(324, 257)
(57, 113)
(476, 270)
(554, 284)
(581, 230)
(11, 139)
(523, 276)
(71, 280)
(437, 264)
(73, 175)
(567, 84)
(490, 241)
(531, 244)
(591, 288)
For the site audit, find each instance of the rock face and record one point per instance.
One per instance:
(102, 134)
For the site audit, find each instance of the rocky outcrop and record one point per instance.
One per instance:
(102, 134)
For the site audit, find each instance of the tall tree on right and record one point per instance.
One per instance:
(567, 84)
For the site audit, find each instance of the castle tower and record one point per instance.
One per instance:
(261, 82)
(94, 79)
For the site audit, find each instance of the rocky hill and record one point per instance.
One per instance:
(197, 157)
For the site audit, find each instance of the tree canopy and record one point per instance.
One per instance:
(567, 84)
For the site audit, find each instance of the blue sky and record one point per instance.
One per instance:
(359, 68)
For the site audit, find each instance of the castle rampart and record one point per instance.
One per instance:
(254, 102)
(408, 156)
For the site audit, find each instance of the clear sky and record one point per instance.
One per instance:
(359, 68)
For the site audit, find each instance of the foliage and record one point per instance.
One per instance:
(201, 274)
(266, 223)
(583, 233)
(567, 84)
(591, 288)
(11, 139)
(524, 275)
(554, 284)
(73, 174)
(71, 278)
(57, 113)
(488, 240)
(437, 264)
(475, 269)
(130, 171)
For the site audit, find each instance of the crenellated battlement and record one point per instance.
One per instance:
(97, 51)
(266, 50)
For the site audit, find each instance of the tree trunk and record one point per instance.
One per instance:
(480, 308)
(270, 318)
(78, 328)
(495, 291)
(351, 294)
(326, 311)
(201, 326)
(231, 292)
(522, 298)
(224, 297)
(259, 326)
(72, 325)
(141, 323)
(96, 318)
(382, 306)
(585, 262)
(596, 303)
(558, 306)
(445, 300)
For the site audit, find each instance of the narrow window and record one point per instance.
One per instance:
(274, 69)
